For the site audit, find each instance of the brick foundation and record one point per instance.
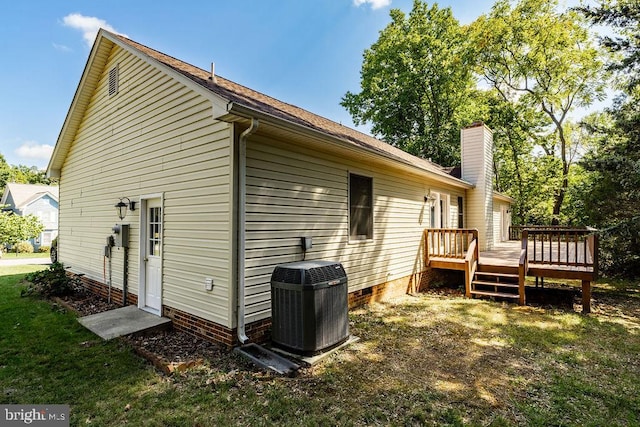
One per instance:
(260, 331)
(102, 290)
(405, 285)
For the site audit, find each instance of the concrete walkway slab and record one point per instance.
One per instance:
(123, 321)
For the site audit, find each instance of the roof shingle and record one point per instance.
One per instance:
(252, 99)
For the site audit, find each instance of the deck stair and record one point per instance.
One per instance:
(488, 283)
(559, 252)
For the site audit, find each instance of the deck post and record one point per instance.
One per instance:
(476, 251)
(523, 267)
(586, 296)
(426, 247)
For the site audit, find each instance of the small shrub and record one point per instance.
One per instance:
(43, 249)
(23, 248)
(48, 283)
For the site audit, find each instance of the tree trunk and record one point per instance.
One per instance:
(559, 198)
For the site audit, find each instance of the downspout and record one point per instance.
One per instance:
(242, 199)
(125, 274)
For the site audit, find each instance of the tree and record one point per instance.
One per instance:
(612, 197)
(15, 228)
(416, 82)
(21, 174)
(624, 16)
(536, 56)
(517, 171)
(5, 173)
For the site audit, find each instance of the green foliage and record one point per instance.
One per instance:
(517, 171)
(417, 84)
(16, 228)
(51, 282)
(623, 16)
(537, 57)
(20, 174)
(612, 196)
(23, 247)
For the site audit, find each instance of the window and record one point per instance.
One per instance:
(360, 207)
(113, 81)
(460, 212)
(155, 224)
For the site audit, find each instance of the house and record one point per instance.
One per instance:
(38, 200)
(219, 183)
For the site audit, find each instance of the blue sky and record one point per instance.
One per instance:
(305, 52)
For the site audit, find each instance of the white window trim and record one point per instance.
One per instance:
(350, 240)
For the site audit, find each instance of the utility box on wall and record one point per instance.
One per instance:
(121, 232)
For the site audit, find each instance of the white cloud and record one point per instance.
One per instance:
(61, 47)
(34, 151)
(375, 4)
(89, 25)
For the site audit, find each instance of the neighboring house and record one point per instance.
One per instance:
(226, 181)
(38, 200)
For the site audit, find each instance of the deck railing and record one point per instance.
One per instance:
(449, 242)
(515, 231)
(572, 247)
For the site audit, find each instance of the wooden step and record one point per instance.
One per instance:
(500, 284)
(495, 294)
(498, 275)
(487, 268)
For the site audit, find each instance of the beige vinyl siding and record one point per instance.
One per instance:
(294, 192)
(155, 136)
(477, 166)
(498, 207)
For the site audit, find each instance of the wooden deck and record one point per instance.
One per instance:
(557, 252)
(508, 253)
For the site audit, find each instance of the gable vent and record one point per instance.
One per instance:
(113, 81)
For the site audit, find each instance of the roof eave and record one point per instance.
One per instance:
(234, 111)
(503, 197)
(76, 110)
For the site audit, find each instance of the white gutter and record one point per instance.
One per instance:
(242, 213)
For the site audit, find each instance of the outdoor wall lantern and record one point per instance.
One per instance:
(429, 198)
(121, 207)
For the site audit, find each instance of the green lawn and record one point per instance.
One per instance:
(426, 360)
(12, 255)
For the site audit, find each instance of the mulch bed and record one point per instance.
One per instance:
(169, 351)
(84, 302)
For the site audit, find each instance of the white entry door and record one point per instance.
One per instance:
(152, 256)
(505, 219)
